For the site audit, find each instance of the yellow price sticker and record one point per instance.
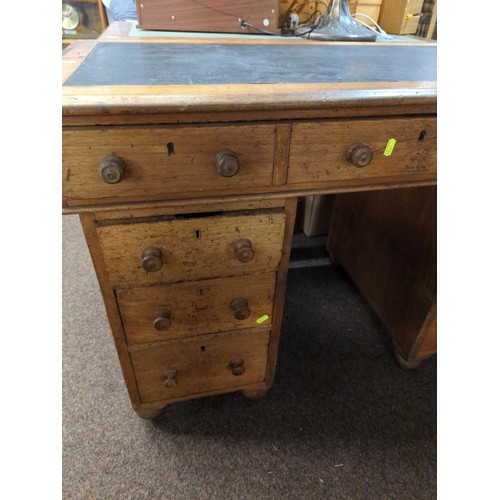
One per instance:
(262, 319)
(390, 147)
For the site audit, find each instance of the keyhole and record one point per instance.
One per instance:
(202, 348)
(170, 149)
(197, 234)
(421, 137)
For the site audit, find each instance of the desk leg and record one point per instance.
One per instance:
(279, 296)
(386, 242)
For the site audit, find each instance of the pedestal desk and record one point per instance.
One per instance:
(184, 158)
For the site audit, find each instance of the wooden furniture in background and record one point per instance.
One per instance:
(308, 11)
(185, 164)
(386, 242)
(432, 23)
(82, 19)
(224, 16)
(400, 17)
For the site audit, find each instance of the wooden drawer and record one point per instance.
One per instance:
(318, 151)
(201, 364)
(176, 162)
(193, 308)
(191, 249)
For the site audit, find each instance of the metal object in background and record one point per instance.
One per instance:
(337, 24)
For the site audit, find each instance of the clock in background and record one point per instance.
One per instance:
(82, 19)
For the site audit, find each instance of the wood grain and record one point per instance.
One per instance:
(196, 307)
(291, 139)
(279, 299)
(187, 257)
(281, 153)
(283, 193)
(89, 229)
(202, 364)
(115, 104)
(166, 208)
(386, 242)
(318, 149)
(161, 161)
(222, 16)
(74, 54)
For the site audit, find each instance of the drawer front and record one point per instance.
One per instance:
(182, 250)
(202, 364)
(193, 308)
(164, 161)
(319, 151)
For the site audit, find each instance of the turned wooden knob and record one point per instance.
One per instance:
(170, 379)
(162, 320)
(243, 250)
(236, 365)
(112, 169)
(240, 308)
(360, 155)
(152, 259)
(227, 163)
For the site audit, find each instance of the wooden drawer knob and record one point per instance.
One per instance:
(170, 379)
(162, 320)
(227, 163)
(360, 155)
(152, 259)
(236, 365)
(243, 250)
(240, 308)
(112, 169)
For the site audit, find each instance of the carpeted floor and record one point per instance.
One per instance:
(342, 421)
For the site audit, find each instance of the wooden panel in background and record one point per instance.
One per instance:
(386, 242)
(218, 16)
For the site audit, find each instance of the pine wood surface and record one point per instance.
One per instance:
(202, 364)
(175, 103)
(279, 297)
(318, 150)
(292, 141)
(89, 230)
(273, 158)
(152, 171)
(196, 307)
(186, 257)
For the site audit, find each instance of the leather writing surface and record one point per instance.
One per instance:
(219, 64)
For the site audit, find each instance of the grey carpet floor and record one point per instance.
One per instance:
(342, 421)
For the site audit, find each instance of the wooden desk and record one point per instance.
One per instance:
(185, 158)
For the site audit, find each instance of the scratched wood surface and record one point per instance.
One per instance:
(164, 161)
(195, 307)
(318, 149)
(201, 364)
(127, 79)
(196, 248)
